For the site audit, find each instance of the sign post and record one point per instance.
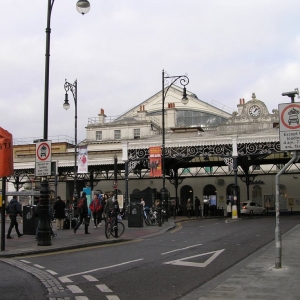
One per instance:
(289, 126)
(43, 159)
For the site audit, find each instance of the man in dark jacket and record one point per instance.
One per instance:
(13, 209)
(59, 213)
(83, 215)
(197, 206)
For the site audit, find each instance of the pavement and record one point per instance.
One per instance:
(253, 278)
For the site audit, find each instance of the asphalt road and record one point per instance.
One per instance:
(166, 266)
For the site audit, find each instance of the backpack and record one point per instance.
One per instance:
(80, 203)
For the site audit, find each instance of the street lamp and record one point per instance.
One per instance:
(44, 236)
(73, 88)
(169, 81)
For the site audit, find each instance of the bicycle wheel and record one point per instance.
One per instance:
(108, 230)
(121, 229)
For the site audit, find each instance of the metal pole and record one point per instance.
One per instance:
(277, 228)
(3, 214)
(44, 237)
(75, 150)
(126, 189)
(116, 194)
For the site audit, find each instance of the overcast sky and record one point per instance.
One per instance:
(228, 48)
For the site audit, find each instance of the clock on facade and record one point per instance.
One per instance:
(254, 111)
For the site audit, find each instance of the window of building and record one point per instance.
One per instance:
(117, 134)
(98, 135)
(136, 134)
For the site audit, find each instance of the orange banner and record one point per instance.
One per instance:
(155, 161)
(6, 153)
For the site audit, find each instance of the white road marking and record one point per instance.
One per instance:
(25, 261)
(51, 272)
(81, 298)
(90, 278)
(39, 266)
(75, 289)
(182, 262)
(181, 249)
(66, 279)
(112, 297)
(104, 288)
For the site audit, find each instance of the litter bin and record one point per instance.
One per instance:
(135, 217)
(29, 221)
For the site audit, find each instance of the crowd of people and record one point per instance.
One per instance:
(100, 207)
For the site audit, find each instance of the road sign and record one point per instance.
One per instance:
(43, 158)
(289, 114)
(43, 151)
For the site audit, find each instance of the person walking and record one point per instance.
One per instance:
(197, 206)
(13, 209)
(95, 207)
(59, 213)
(189, 208)
(109, 206)
(82, 209)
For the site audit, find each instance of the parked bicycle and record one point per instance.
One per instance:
(150, 216)
(113, 228)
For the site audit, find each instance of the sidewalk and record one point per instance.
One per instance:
(253, 278)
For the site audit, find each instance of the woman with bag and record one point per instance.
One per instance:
(96, 207)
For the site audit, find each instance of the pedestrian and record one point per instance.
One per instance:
(82, 209)
(109, 206)
(100, 197)
(13, 209)
(197, 206)
(103, 202)
(59, 213)
(228, 208)
(189, 208)
(143, 202)
(95, 207)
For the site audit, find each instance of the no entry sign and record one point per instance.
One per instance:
(289, 114)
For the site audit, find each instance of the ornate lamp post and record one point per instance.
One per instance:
(44, 237)
(73, 88)
(167, 82)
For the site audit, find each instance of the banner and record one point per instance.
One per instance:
(82, 160)
(155, 161)
(6, 153)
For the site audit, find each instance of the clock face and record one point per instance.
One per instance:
(255, 111)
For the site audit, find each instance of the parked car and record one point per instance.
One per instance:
(252, 208)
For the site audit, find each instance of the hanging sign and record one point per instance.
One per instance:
(155, 161)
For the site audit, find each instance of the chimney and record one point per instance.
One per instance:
(102, 116)
(142, 112)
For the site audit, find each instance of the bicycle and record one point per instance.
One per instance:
(111, 229)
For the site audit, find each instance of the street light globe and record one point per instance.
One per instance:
(184, 99)
(83, 6)
(66, 105)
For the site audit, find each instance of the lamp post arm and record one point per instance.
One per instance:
(184, 80)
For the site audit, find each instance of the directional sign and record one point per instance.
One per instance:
(289, 114)
(183, 262)
(43, 159)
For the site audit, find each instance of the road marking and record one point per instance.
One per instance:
(81, 298)
(25, 261)
(51, 272)
(90, 278)
(181, 249)
(104, 288)
(39, 266)
(112, 297)
(75, 289)
(182, 262)
(66, 279)
(178, 227)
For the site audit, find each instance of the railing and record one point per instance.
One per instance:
(54, 139)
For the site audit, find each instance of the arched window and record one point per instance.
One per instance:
(257, 194)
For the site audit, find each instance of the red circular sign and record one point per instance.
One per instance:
(43, 151)
(292, 119)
